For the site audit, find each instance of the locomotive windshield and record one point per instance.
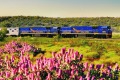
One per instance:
(109, 27)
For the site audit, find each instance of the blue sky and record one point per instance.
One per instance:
(60, 8)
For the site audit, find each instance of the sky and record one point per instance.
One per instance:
(60, 8)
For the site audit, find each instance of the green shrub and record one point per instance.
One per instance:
(112, 60)
(109, 54)
(92, 55)
(3, 32)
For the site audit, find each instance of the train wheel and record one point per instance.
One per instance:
(76, 35)
(94, 36)
(109, 36)
(104, 36)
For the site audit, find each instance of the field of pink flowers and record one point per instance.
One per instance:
(64, 65)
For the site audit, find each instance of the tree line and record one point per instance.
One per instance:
(24, 21)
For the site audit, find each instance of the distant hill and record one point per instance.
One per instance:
(22, 21)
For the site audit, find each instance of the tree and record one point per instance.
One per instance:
(5, 24)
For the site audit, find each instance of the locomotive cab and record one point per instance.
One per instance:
(12, 31)
(105, 31)
(109, 32)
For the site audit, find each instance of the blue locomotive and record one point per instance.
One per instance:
(73, 31)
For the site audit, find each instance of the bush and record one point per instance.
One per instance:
(92, 55)
(3, 32)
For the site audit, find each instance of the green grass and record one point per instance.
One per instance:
(116, 35)
(94, 51)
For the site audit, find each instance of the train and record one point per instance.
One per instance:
(67, 31)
